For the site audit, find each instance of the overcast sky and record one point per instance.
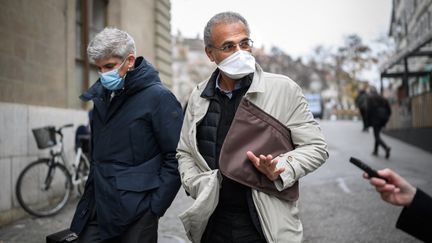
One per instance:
(296, 26)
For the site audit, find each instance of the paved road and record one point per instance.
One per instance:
(336, 204)
(35, 229)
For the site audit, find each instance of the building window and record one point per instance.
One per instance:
(91, 18)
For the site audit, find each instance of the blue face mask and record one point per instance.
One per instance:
(112, 79)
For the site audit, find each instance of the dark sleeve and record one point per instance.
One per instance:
(370, 107)
(167, 120)
(416, 219)
(387, 105)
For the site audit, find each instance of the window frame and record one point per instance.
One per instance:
(85, 22)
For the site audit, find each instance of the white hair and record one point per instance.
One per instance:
(373, 89)
(111, 42)
(226, 18)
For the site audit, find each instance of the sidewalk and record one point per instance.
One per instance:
(335, 201)
(35, 230)
(419, 137)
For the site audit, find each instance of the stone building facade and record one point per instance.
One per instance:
(190, 66)
(409, 72)
(44, 68)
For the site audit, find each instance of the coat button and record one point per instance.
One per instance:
(289, 158)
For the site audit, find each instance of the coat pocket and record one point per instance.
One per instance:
(196, 217)
(134, 192)
(137, 182)
(138, 178)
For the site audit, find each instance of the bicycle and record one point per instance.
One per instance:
(44, 187)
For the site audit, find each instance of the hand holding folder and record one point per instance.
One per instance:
(254, 130)
(265, 165)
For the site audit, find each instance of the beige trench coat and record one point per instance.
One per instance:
(282, 98)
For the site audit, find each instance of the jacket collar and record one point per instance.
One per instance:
(258, 85)
(141, 77)
(209, 91)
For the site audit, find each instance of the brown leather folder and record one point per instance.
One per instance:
(254, 130)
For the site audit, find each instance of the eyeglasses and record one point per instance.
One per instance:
(245, 45)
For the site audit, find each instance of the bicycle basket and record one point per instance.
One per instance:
(45, 137)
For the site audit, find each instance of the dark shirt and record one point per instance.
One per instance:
(235, 199)
(232, 194)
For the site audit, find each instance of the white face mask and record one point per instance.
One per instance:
(238, 65)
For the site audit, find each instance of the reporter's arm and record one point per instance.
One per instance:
(416, 216)
(416, 219)
(396, 190)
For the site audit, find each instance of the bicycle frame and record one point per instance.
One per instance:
(58, 156)
(49, 175)
(58, 180)
(76, 179)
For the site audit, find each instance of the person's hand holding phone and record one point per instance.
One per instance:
(396, 190)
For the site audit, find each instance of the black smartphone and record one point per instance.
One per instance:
(366, 168)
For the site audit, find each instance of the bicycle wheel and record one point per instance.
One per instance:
(43, 188)
(81, 174)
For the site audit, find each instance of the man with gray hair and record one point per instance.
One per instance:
(135, 129)
(224, 209)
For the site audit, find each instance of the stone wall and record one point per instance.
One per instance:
(37, 47)
(32, 52)
(18, 147)
(38, 77)
(148, 22)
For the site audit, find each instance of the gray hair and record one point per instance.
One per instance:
(373, 90)
(226, 18)
(111, 42)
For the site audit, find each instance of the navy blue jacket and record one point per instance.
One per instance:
(134, 140)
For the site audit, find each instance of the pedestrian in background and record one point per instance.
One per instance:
(361, 103)
(225, 210)
(416, 216)
(135, 129)
(378, 114)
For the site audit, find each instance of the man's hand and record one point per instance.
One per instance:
(396, 190)
(266, 165)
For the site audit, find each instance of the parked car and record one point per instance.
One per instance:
(315, 104)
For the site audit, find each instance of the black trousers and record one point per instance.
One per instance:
(378, 139)
(143, 230)
(231, 227)
(363, 114)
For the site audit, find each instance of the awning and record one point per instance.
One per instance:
(401, 58)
